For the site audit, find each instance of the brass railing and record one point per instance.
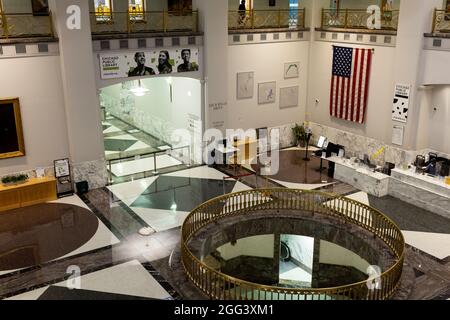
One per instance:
(357, 19)
(148, 21)
(25, 25)
(441, 21)
(217, 285)
(266, 19)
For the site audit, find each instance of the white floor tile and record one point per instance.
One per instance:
(203, 172)
(436, 244)
(123, 137)
(128, 192)
(161, 220)
(30, 295)
(129, 278)
(141, 165)
(111, 129)
(290, 271)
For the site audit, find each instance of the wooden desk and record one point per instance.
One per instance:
(34, 191)
(247, 149)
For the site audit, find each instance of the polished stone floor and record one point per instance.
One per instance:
(116, 262)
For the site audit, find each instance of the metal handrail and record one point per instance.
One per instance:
(144, 21)
(214, 283)
(25, 25)
(154, 154)
(441, 21)
(357, 19)
(265, 19)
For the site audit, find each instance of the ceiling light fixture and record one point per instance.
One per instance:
(139, 91)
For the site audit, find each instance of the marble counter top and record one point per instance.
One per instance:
(432, 184)
(360, 169)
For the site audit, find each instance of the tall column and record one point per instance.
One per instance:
(415, 20)
(213, 21)
(80, 94)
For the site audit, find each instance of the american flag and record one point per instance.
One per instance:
(350, 83)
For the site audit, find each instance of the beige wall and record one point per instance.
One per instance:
(36, 81)
(381, 90)
(267, 63)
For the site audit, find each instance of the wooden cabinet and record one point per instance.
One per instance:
(34, 191)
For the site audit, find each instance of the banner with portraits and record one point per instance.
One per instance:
(148, 62)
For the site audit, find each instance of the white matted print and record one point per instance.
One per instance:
(245, 84)
(289, 97)
(291, 70)
(267, 92)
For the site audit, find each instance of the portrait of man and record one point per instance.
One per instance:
(187, 66)
(164, 65)
(140, 69)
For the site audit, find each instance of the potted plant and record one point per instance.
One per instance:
(300, 135)
(14, 179)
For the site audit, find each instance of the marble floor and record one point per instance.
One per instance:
(117, 262)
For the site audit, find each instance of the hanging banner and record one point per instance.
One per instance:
(401, 103)
(147, 63)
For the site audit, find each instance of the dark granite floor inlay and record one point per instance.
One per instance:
(118, 145)
(293, 168)
(181, 193)
(37, 234)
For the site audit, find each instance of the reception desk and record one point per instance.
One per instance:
(361, 177)
(430, 193)
(34, 191)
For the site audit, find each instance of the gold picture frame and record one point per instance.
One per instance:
(11, 133)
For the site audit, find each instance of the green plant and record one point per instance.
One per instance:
(299, 133)
(15, 178)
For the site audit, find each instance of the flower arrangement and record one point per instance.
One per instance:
(15, 179)
(299, 134)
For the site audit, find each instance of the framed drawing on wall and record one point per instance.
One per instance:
(291, 70)
(11, 134)
(289, 97)
(266, 92)
(245, 85)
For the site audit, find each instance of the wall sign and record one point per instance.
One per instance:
(147, 63)
(401, 102)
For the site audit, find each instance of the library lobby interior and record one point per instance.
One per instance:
(225, 150)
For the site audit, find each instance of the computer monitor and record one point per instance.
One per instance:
(321, 142)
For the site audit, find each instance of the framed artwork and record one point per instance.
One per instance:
(40, 7)
(289, 97)
(11, 134)
(291, 70)
(245, 84)
(267, 92)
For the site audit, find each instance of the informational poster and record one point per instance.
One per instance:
(62, 168)
(147, 63)
(397, 135)
(401, 103)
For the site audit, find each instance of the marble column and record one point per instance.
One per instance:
(80, 94)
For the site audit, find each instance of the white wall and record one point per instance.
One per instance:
(363, 4)
(331, 253)
(36, 81)
(381, 91)
(436, 67)
(434, 131)
(257, 246)
(267, 61)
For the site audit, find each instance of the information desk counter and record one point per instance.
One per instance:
(34, 191)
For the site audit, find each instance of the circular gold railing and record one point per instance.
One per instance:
(217, 285)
